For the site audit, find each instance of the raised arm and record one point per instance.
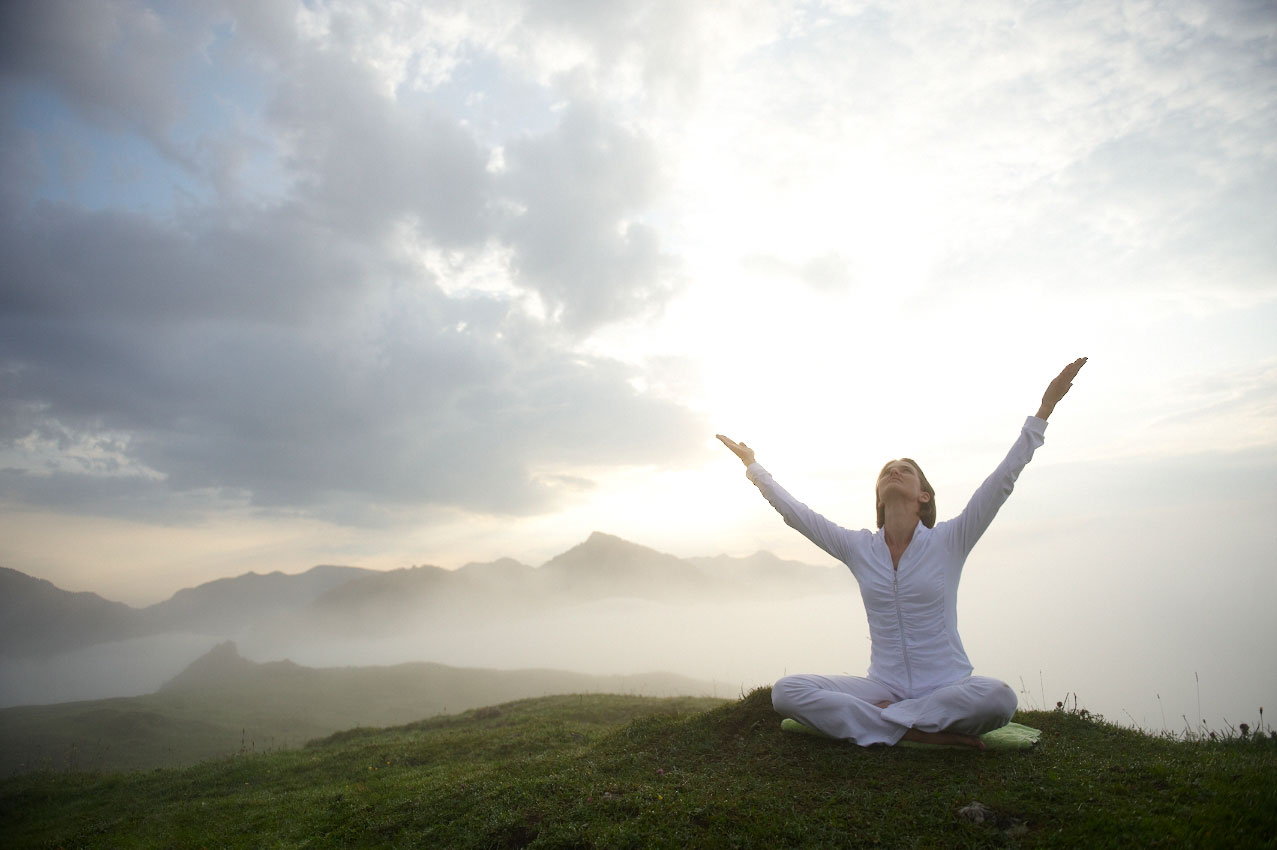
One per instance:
(989, 497)
(829, 536)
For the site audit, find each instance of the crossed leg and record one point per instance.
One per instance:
(867, 712)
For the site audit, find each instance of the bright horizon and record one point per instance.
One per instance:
(379, 285)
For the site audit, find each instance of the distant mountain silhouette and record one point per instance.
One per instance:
(227, 605)
(38, 618)
(388, 592)
(765, 574)
(222, 667)
(222, 704)
(502, 574)
(605, 566)
(343, 602)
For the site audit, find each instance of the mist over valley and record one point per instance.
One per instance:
(606, 615)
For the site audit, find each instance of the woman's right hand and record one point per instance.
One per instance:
(742, 451)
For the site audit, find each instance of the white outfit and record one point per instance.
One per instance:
(916, 658)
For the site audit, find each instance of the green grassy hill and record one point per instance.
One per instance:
(224, 704)
(610, 771)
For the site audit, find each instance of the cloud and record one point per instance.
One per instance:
(322, 347)
(118, 63)
(363, 160)
(406, 405)
(826, 273)
(577, 236)
(1063, 146)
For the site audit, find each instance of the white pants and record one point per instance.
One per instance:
(843, 707)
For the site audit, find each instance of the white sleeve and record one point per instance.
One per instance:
(968, 526)
(833, 538)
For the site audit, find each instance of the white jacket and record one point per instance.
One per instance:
(912, 611)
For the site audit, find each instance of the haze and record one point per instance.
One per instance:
(379, 284)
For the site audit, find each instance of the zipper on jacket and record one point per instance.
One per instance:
(900, 620)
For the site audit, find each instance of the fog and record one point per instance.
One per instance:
(1144, 667)
(116, 669)
(735, 645)
(1153, 612)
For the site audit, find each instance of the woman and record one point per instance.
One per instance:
(920, 685)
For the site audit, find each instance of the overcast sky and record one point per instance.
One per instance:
(397, 283)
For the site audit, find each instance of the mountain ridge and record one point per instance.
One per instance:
(43, 620)
(222, 704)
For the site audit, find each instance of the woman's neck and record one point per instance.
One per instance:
(899, 524)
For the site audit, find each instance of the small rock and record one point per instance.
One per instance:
(976, 812)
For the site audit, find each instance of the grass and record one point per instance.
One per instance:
(612, 771)
(249, 707)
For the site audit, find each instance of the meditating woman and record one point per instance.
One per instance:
(920, 685)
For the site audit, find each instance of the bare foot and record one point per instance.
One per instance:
(944, 739)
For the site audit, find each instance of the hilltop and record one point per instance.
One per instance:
(610, 771)
(223, 703)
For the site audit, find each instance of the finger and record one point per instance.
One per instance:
(729, 443)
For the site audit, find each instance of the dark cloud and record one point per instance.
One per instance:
(366, 161)
(285, 353)
(299, 373)
(398, 409)
(119, 63)
(65, 261)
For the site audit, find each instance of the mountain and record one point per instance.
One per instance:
(381, 599)
(223, 704)
(223, 668)
(37, 618)
(605, 566)
(504, 574)
(336, 602)
(764, 574)
(600, 568)
(226, 606)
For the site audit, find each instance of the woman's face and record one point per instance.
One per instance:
(900, 478)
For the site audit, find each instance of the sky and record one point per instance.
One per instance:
(391, 283)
